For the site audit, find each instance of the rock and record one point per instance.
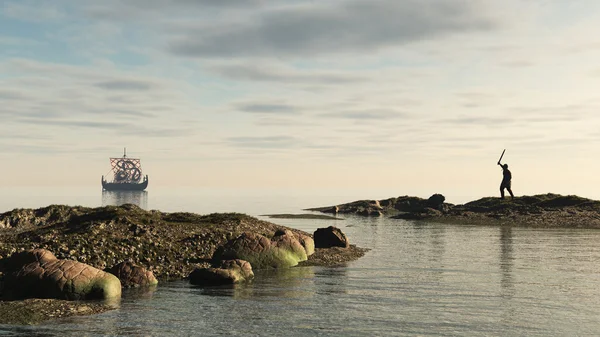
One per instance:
(369, 212)
(426, 213)
(171, 243)
(132, 275)
(330, 237)
(307, 242)
(49, 277)
(281, 251)
(18, 260)
(436, 201)
(225, 272)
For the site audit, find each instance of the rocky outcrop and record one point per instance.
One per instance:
(388, 207)
(170, 245)
(224, 272)
(542, 210)
(330, 237)
(25, 218)
(49, 277)
(283, 250)
(132, 275)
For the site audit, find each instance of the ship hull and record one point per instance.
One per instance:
(124, 186)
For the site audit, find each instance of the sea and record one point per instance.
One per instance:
(418, 279)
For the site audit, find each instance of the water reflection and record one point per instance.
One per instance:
(118, 198)
(139, 292)
(283, 283)
(506, 259)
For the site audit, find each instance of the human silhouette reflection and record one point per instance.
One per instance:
(118, 198)
(506, 261)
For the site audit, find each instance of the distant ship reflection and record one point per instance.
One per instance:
(117, 198)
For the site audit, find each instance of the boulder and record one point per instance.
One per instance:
(436, 201)
(132, 275)
(330, 237)
(224, 272)
(282, 251)
(307, 242)
(17, 260)
(49, 277)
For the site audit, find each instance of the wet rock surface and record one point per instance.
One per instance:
(170, 245)
(302, 216)
(132, 275)
(49, 277)
(35, 311)
(543, 210)
(224, 272)
(387, 207)
(282, 250)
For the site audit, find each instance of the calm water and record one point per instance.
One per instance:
(419, 279)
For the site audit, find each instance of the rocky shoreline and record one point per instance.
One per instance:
(541, 211)
(150, 245)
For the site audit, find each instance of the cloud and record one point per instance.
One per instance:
(565, 113)
(268, 108)
(367, 114)
(270, 73)
(127, 85)
(11, 95)
(126, 10)
(38, 12)
(78, 124)
(477, 120)
(268, 142)
(362, 26)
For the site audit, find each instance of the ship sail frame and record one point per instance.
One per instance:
(127, 173)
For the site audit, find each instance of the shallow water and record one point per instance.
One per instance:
(419, 279)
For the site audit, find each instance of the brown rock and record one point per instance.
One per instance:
(225, 272)
(132, 275)
(48, 277)
(330, 237)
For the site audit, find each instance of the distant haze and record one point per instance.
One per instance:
(399, 96)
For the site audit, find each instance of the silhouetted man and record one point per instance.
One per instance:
(507, 176)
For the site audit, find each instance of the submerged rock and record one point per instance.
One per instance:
(224, 272)
(35, 311)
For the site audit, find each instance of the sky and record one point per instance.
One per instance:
(407, 97)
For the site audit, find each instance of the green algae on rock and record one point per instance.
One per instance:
(283, 250)
(49, 277)
(170, 245)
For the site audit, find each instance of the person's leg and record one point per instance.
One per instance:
(501, 191)
(512, 196)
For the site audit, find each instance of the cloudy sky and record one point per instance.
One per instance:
(408, 96)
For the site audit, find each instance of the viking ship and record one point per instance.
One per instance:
(127, 173)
